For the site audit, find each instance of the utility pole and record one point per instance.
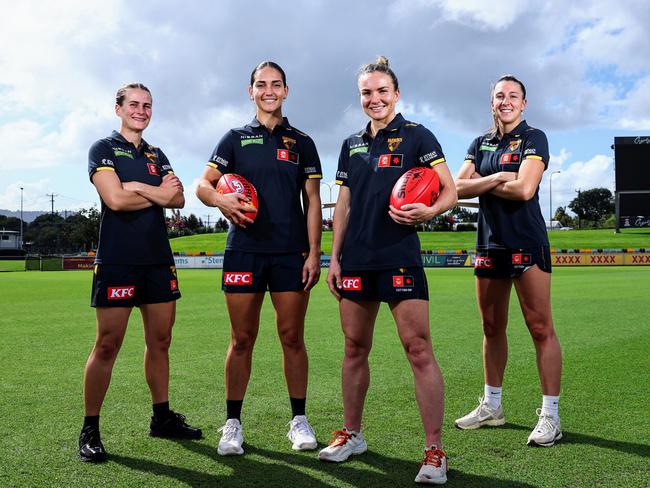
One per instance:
(579, 206)
(52, 195)
(21, 218)
(550, 198)
(208, 220)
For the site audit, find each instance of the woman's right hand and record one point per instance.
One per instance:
(233, 206)
(334, 281)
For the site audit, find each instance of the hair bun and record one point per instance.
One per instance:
(382, 60)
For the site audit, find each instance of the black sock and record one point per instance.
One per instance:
(161, 410)
(91, 421)
(297, 406)
(233, 409)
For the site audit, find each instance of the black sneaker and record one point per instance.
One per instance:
(91, 449)
(173, 427)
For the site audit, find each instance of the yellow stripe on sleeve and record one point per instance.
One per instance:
(338, 182)
(437, 161)
(105, 168)
(311, 177)
(212, 165)
(534, 157)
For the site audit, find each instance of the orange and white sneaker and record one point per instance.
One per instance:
(434, 467)
(344, 444)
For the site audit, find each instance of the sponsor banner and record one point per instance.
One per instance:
(637, 259)
(587, 259)
(458, 260)
(85, 262)
(434, 260)
(198, 262)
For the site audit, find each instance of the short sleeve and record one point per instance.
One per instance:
(165, 166)
(536, 147)
(429, 151)
(310, 161)
(222, 158)
(342, 169)
(100, 158)
(472, 152)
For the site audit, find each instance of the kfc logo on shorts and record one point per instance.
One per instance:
(121, 292)
(483, 262)
(519, 258)
(237, 278)
(351, 283)
(402, 281)
(153, 169)
(173, 285)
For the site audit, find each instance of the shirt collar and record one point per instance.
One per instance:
(256, 123)
(116, 136)
(493, 135)
(397, 121)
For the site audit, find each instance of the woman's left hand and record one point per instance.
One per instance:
(311, 271)
(411, 214)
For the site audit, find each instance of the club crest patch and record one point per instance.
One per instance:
(393, 143)
(288, 142)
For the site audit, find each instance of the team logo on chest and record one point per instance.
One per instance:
(288, 142)
(509, 158)
(390, 161)
(393, 143)
(153, 169)
(513, 145)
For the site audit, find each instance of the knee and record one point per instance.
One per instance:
(292, 341)
(242, 342)
(540, 331)
(419, 353)
(160, 342)
(106, 348)
(492, 329)
(355, 350)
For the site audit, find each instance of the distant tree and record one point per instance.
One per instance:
(192, 223)
(9, 223)
(221, 225)
(463, 215)
(44, 232)
(593, 205)
(562, 218)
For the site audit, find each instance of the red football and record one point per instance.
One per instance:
(417, 185)
(232, 183)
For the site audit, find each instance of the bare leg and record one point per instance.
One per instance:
(493, 296)
(412, 319)
(290, 310)
(158, 319)
(357, 322)
(534, 292)
(244, 310)
(111, 327)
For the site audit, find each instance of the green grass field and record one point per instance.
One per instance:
(569, 239)
(601, 315)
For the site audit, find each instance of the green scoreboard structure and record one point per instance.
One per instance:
(632, 169)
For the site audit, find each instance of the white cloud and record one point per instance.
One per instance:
(34, 195)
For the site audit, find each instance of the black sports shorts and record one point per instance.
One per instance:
(116, 285)
(511, 263)
(384, 285)
(249, 272)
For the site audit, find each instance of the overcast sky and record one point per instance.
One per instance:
(586, 66)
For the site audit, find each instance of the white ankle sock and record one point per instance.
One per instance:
(492, 396)
(550, 405)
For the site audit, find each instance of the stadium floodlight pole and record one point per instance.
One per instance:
(329, 187)
(550, 197)
(21, 217)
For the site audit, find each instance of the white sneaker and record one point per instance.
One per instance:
(301, 434)
(231, 438)
(434, 467)
(344, 444)
(547, 430)
(480, 416)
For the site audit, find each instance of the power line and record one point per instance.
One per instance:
(52, 195)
